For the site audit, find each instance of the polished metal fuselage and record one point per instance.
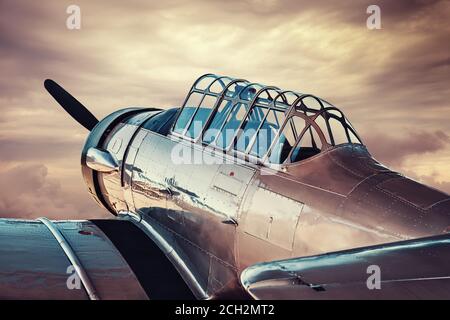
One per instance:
(214, 218)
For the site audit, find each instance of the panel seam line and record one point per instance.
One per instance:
(72, 256)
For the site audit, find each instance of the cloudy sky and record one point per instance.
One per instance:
(393, 83)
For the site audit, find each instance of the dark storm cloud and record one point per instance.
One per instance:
(416, 76)
(393, 150)
(343, 11)
(28, 192)
(38, 148)
(36, 45)
(401, 8)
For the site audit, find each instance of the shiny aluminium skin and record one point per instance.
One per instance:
(251, 191)
(233, 209)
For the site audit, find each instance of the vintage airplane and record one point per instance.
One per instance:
(246, 191)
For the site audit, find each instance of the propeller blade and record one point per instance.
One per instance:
(72, 106)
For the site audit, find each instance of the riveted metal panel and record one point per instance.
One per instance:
(273, 217)
(412, 192)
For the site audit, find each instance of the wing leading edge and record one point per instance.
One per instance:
(413, 269)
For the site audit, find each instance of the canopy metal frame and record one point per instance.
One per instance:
(240, 91)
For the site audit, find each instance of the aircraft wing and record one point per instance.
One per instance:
(97, 259)
(413, 269)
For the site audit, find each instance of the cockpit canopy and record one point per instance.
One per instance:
(260, 123)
